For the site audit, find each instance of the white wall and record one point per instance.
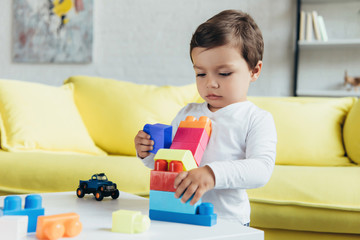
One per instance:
(148, 42)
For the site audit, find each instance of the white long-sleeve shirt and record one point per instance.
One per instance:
(241, 153)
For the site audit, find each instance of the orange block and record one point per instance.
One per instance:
(57, 226)
(192, 122)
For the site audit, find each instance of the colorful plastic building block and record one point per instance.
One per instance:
(195, 149)
(193, 139)
(191, 122)
(172, 166)
(166, 201)
(193, 135)
(57, 226)
(125, 221)
(184, 156)
(205, 216)
(32, 209)
(162, 181)
(13, 227)
(161, 134)
(99, 186)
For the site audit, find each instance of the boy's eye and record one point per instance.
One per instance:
(225, 74)
(200, 75)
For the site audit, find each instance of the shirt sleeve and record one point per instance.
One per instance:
(148, 161)
(255, 170)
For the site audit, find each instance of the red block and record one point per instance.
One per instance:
(161, 165)
(176, 166)
(162, 181)
(195, 148)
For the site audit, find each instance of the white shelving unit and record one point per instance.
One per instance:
(320, 65)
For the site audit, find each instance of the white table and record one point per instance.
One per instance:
(96, 218)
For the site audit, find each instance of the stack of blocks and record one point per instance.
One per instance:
(185, 153)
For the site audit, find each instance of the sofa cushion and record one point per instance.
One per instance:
(50, 172)
(280, 234)
(318, 199)
(309, 129)
(37, 117)
(352, 133)
(114, 111)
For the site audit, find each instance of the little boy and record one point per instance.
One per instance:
(226, 52)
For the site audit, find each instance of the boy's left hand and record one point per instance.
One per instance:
(196, 181)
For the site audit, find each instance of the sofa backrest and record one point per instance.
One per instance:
(114, 111)
(310, 130)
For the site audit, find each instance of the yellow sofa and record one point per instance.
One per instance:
(313, 193)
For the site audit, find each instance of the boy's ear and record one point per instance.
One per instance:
(255, 73)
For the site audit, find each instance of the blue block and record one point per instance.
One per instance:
(205, 217)
(166, 201)
(32, 209)
(161, 134)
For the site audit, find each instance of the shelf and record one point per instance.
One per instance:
(327, 1)
(329, 93)
(330, 43)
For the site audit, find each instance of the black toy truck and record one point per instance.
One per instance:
(99, 186)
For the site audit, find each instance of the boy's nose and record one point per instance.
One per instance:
(212, 83)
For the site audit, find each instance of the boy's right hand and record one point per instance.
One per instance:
(143, 144)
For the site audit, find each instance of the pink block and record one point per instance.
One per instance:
(196, 149)
(192, 135)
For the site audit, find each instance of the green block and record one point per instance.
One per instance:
(125, 221)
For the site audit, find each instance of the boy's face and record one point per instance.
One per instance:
(222, 75)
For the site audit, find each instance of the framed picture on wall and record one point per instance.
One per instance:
(52, 31)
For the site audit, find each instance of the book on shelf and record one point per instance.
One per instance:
(312, 27)
(322, 27)
(309, 28)
(316, 25)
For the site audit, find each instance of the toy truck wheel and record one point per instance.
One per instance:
(99, 195)
(80, 192)
(115, 194)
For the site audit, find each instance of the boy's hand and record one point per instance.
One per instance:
(143, 144)
(196, 181)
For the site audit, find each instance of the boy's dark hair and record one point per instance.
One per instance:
(234, 27)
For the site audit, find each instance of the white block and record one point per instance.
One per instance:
(13, 227)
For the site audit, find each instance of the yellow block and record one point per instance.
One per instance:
(125, 221)
(184, 156)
